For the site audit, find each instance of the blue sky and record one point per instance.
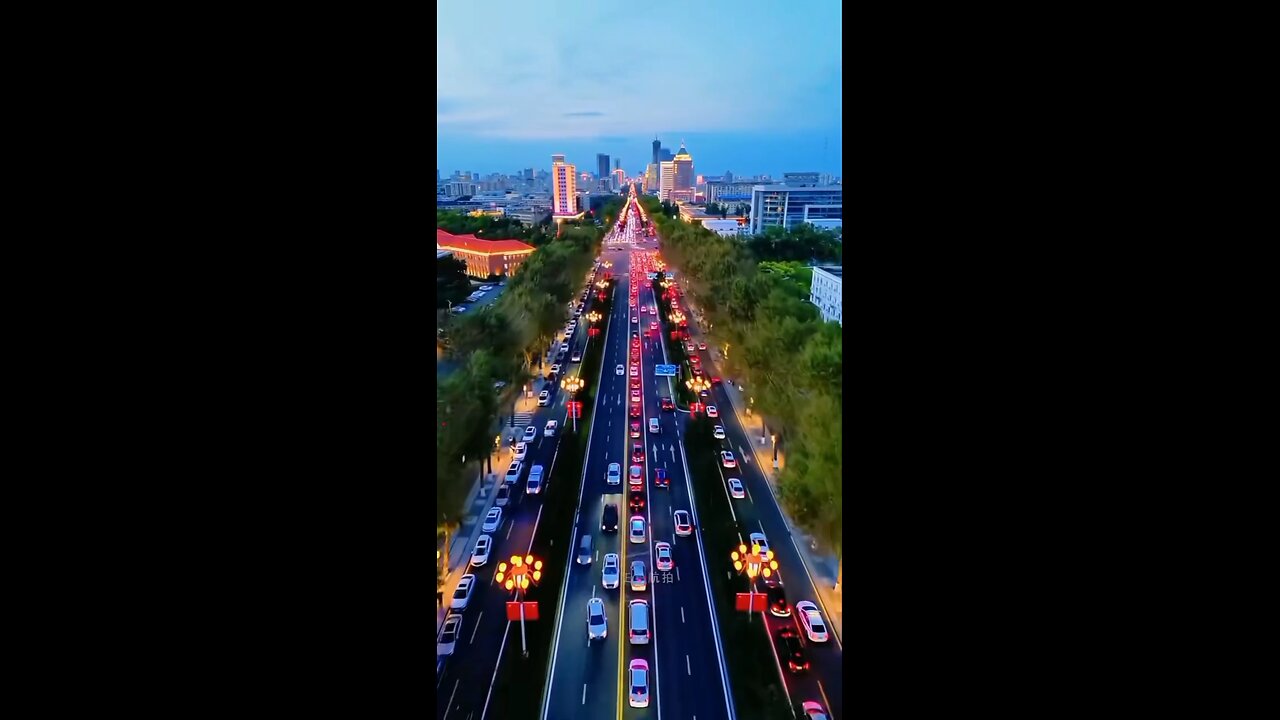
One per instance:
(751, 86)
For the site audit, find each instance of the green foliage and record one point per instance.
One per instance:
(452, 284)
(803, 243)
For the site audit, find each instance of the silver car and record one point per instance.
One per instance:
(449, 638)
(609, 575)
(613, 475)
(462, 595)
(597, 626)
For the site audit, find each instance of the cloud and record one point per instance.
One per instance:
(585, 113)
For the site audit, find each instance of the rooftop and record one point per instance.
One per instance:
(832, 269)
(472, 243)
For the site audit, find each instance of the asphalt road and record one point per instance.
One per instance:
(759, 512)
(684, 654)
(465, 682)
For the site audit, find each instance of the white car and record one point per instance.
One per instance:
(609, 574)
(758, 539)
(635, 370)
(620, 370)
(492, 521)
(449, 637)
(613, 475)
(635, 476)
(639, 577)
(530, 434)
(504, 495)
(544, 398)
(550, 429)
(480, 556)
(513, 471)
(811, 621)
(718, 432)
(684, 528)
(522, 449)
(736, 489)
(597, 625)
(555, 368)
(663, 553)
(727, 460)
(637, 528)
(712, 411)
(461, 596)
(639, 679)
(635, 319)
(576, 356)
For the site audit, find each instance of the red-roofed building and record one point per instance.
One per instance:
(485, 257)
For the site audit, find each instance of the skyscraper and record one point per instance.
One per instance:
(564, 187)
(617, 163)
(684, 170)
(602, 166)
(657, 151)
(666, 179)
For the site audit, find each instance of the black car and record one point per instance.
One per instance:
(609, 521)
(778, 605)
(635, 502)
(789, 647)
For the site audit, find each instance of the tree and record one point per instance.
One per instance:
(452, 284)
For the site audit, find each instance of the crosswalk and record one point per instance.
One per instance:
(524, 419)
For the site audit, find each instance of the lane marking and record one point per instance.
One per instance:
(477, 628)
(584, 691)
(682, 613)
(688, 668)
(450, 705)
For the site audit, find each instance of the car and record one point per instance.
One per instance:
(662, 553)
(639, 576)
(564, 348)
(637, 453)
(533, 485)
(609, 573)
(620, 370)
(555, 368)
(684, 528)
(792, 650)
(635, 341)
(492, 520)
(635, 370)
(544, 398)
(660, 478)
(778, 606)
(635, 429)
(653, 326)
(813, 711)
(449, 636)
(758, 539)
(461, 596)
(637, 411)
(609, 518)
(635, 383)
(504, 495)
(727, 459)
(697, 371)
(613, 475)
(702, 346)
(513, 471)
(811, 621)
(550, 429)
(635, 500)
(704, 393)
(597, 626)
(522, 449)
(666, 404)
(712, 411)
(718, 432)
(530, 434)
(688, 347)
(634, 318)
(638, 672)
(635, 396)
(715, 379)
(736, 489)
(480, 555)
(576, 356)
(636, 533)
(635, 475)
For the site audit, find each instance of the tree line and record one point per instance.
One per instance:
(779, 349)
(502, 342)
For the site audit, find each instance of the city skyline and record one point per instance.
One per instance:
(729, 79)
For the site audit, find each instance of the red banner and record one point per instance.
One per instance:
(745, 601)
(530, 610)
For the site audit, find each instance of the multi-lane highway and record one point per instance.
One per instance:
(464, 679)
(686, 669)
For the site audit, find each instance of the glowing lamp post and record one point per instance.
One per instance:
(573, 385)
(523, 572)
(697, 385)
(754, 563)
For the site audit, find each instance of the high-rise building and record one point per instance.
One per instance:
(657, 151)
(617, 163)
(602, 166)
(728, 176)
(651, 178)
(684, 169)
(666, 179)
(618, 178)
(564, 187)
(789, 205)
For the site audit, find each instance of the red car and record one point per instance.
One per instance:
(635, 341)
(715, 379)
(636, 411)
(660, 478)
(667, 405)
(695, 360)
(636, 500)
(637, 453)
(635, 383)
(702, 346)
(635, 429)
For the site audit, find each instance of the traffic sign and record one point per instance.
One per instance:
(665, 370)
(653, 276)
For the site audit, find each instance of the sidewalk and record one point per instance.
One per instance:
(823, 568)
(480, 500)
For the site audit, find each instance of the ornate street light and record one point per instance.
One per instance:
(523, 572)
(754, 563)
(573, 384)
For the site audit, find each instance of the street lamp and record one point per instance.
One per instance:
(754, 563)
(697, 385)
(522, 572)
(573, 384)
(497, 442)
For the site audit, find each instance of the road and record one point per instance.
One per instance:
(684, 656)
(464, 680)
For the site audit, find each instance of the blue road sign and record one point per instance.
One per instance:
(653, 276)
(665, 370)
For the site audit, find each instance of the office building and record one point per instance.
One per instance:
(800, 179)
(728, 192)
(619, 178)
(787, 206)
(825, 292)
(564, 187)
(666, 179)
(684, 179)
(617, 163)
(484, 257)
(602, 166)
(728, 176)
(657, 151)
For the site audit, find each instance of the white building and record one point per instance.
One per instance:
(787, 206)
(564, 187)
(825, 292)
(666, 179)
(723, 228)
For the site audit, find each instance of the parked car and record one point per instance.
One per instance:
(480, 555)
(492, 520)
(449, 636)
(461, 596)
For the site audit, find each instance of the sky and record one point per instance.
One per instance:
(752, 86)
